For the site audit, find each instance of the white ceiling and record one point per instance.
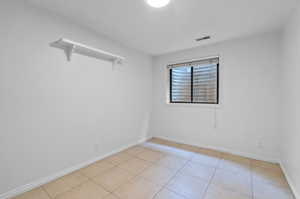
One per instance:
(158, 31)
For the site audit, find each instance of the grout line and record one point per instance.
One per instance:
(210, 182)
(80, 173)
(165, 185)
(176, 173)
(91, 178)
(177, 193)
(187, 162)
(71, 188)
(115, 166)
(94, 182)
(252, 182)
(42, 187)
(216, 168)
(48, 179)
(221, 157)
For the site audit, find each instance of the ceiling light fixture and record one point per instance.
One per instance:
(158, 3)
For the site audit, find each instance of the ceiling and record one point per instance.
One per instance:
(176, 26)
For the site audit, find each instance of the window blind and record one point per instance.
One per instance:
(195, 82)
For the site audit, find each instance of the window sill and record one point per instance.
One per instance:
(191, 105)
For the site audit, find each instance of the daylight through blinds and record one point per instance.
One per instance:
(194, 82)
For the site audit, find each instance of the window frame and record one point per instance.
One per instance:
(191, 102)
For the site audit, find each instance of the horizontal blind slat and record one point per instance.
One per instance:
(205, 84)
(204, 81)
(181, 84)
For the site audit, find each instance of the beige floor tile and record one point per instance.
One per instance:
(237, 182)
(110, 196)
(96, 168)
(87, 190)
(172, 162)
(156, 163)
(264, 164)
(138, 188)
(158, 175)
(151, 156)
(235, 165)
(215, 192)
(167, 194)
(118, 158)
(268, 191)
(205, 159)
(135, 150)
(181, 153)
(135, 165)
(113, 178)
(64, 184)
(188, 186)
(198, 170)
(270, 176)
(169, 150)
(37, 193)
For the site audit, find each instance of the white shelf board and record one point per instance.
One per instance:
(71, 47)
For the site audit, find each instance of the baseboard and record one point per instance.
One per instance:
(45, 180)
(221, 149)
(145, 139)
(288, 178)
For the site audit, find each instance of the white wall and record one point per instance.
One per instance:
(247, 120)
(54, 112)
(290, 156)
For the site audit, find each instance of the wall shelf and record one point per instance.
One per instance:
(71, 47)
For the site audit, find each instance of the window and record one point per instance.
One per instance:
(195, 82)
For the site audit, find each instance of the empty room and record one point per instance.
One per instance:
(149, 99)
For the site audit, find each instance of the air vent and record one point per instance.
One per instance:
(203, 38)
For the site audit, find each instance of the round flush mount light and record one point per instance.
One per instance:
(158, 3)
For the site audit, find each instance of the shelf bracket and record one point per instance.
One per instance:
(69, 51)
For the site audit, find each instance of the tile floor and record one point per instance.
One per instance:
(160, 169)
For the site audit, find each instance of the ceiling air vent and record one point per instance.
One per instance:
(203, 38)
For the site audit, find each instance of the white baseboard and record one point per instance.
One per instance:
(45, 180)
(221, 149)
(288, 178)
